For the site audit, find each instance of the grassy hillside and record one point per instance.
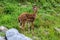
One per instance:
(48, 16)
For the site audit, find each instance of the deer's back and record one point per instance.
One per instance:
(27, 17)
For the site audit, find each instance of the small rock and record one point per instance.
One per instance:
(2, 38)
(57, 29)
(13, 34)
(3, 29)
(36, 38)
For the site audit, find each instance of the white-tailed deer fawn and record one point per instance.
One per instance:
(26, 17)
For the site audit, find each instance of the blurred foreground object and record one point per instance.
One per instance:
(2, 38)
(13, 34)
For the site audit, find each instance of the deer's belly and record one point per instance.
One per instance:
(30, 20)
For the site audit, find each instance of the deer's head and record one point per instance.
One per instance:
(35, 8)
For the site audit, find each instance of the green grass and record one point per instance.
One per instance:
(46, 20)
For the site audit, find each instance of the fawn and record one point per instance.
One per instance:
(26, 17)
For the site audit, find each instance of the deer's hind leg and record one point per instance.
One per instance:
(22, 25)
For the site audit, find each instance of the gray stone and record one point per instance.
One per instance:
(3, 29)
(2, 38)
(13, 34)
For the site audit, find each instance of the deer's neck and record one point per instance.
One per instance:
(34, 13)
